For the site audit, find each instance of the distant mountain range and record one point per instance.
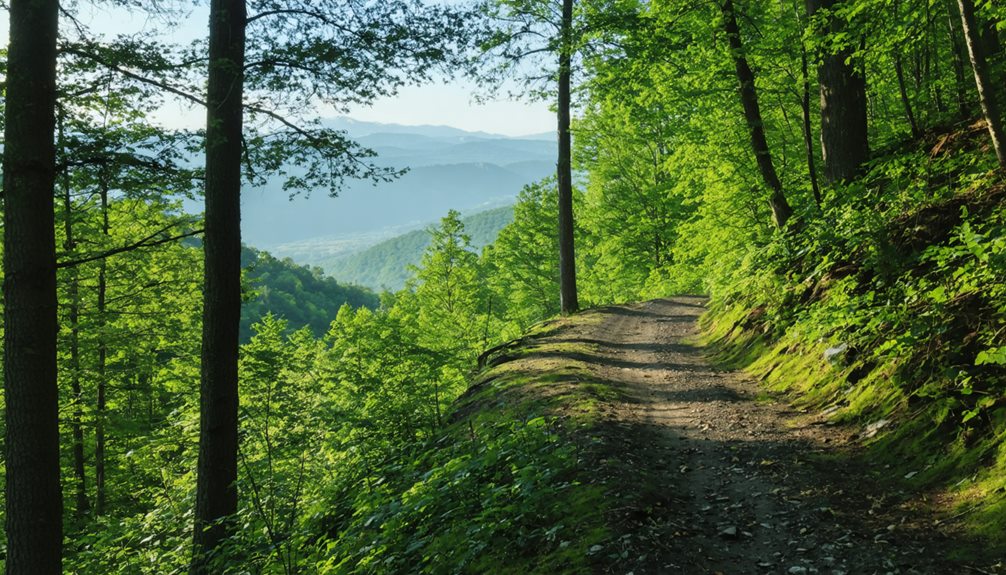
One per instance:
(448, 169)
(358, 128)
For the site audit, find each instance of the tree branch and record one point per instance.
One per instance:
(146, 242)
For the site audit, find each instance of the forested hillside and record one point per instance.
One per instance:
(299, 295)
(388, 265)
(826, 180)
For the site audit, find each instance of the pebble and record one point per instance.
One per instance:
(729, 532)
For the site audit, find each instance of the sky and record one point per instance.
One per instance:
(445, 103)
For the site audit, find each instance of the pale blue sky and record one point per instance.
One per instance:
(448, 104)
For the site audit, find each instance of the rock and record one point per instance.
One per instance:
(833, 353)
(797, 570)
(875, 427)
(729, 533)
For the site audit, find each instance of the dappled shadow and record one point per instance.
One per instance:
(607, 361)
(701, 478)
(683, 301)
(676, 319)
(627, 311)
(692, 504)
(649, 346)
(697, 394)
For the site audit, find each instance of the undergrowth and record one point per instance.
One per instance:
(509, 486)
(888, 312)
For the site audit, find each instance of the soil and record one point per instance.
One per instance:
(734, 480)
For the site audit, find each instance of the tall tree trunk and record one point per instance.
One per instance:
(933, 71)
(216, 491)
(844, 138)
(567, 255)
(808, 132)
(34, 501)
(986, 92)
(899, 71)
(781, 210)
(963, 109)
(77, 421)
(100, 415)
(990, 41)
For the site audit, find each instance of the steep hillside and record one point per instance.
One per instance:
(298, 294)
(891, 318)
(607, 443)
(386, 265)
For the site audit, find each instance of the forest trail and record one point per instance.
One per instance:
(747, 484)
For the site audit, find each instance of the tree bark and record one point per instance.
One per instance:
(781, 210)
(986, 93)
(808, 131)
(845, 143)
(34, 501)
(216, 491)
(899, 71)
(963, 108)
(567, 256)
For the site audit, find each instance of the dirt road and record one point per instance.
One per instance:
(743, 483)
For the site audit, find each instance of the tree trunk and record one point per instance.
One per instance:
(76, 423)
(844, 138)
(34, 501)
(932, 47)
(564, 169)
(100, 415)
(781, 210)
(963, 109)
(808, 132)
(216, 491)
(986, 93)
(899, 71)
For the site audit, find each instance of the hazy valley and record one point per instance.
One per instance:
(448, 169)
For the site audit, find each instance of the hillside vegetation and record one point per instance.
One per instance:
(299, 295)
(389, 264)
(891, 314)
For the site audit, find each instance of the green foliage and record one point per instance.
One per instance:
(904, 274)
(355, 455)
(387, 265)
(451, 294)
(303, 296)
(632, 202)
(496, 501)
(524, 259)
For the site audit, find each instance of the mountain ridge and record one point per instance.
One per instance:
(448, 168)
